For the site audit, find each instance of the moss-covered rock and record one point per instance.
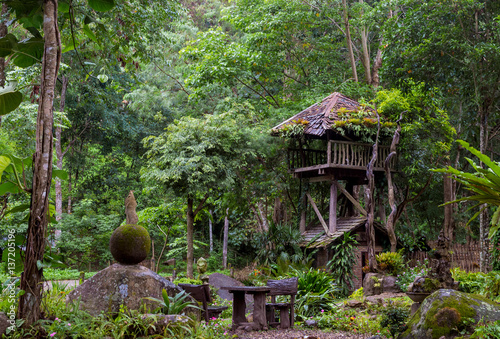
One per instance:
(130, 244)
(445, 311)
(127, 285)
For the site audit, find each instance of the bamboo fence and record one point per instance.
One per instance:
(465, 256)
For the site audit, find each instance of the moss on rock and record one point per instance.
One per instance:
(130, 244)
(446, 310)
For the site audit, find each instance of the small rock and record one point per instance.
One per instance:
(354, 304)
(375, 337)
(310, 323)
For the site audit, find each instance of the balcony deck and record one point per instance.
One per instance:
(343, 159)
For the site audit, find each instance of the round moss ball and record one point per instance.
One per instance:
(130, 244)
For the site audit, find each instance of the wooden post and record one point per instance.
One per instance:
(332, 223)
(302, 226)
(329, 153)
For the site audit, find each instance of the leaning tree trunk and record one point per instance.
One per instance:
(29, 303)
(349, 41)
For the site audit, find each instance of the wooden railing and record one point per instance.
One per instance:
(339, 154)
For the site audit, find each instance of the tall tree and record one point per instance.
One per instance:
(29, 303)
(196, 158)
(457, 50)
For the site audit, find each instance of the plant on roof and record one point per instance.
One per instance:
(363, 122)
(293, 129)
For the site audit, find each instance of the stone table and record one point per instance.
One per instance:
(239, 307)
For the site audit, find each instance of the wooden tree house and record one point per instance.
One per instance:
(339, 157)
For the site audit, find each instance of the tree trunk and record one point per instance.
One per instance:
(263, 216)
(226, 236)
(448, 209)
(190, 215)
(376, 66)
(349, 41)
(3, 32)
(60, 156)
(391, 221)
(190, 232)
(68, 209)
(210, 232)
(29, 303)
(483, 216)
(370, 205)
(366, 52)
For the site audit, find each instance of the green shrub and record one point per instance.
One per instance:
(64, 274)
(316, 291)
(187, 281)
(490, 330)
(487, 284)
(358, 294)
(391, 262)
(394, 318)
(281, 241)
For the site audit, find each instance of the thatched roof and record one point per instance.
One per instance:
(321, 116)
(315, 235)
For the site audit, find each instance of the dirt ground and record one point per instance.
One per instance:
(300, 334)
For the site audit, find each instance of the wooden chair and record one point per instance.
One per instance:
(202, 294)
(286, 309)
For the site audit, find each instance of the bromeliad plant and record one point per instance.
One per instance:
(175, 304)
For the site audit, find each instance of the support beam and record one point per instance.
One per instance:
(332, 222)
(302, 226)
(329, 153)
(351, 199)
(316, 210)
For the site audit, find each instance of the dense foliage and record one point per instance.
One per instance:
(176, 99)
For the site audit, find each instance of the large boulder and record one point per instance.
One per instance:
(117, 285)
(444, 310)
(376, 283)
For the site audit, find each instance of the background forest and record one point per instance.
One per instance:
(176, 101)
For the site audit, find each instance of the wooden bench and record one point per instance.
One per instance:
(286, 309)
(202, 294)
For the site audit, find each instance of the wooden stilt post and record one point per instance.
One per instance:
(332, 224)
(302, 226)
